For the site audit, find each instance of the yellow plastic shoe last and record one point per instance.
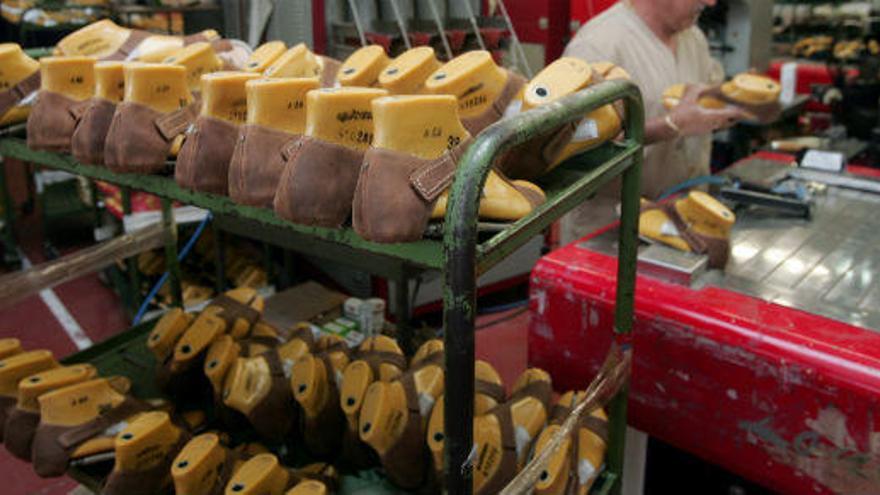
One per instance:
(198, 59)
(560, 477)
(752, 89)
(162, 87)
(436, 438)
(167, 332)
(673, 94)
(500, 201)
(700, 211)
(213, 322)
(473, 78)
(98, 39)
(32, 387)
(359, 374)
(224, 96)
(203, 466)
(143, 454)
(15, 66)
(10, 346)
(362, 68)
(297, 61)
(264, 56)
(342, 116)
(110, 81)
(407, 73)
(19, 366)
(260, 475)
(73, 77)
(279, 103)
(496, 464)
(308, 487)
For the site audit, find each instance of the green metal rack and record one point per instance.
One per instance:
(463, 254)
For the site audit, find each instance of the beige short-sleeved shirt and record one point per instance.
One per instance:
(620, 36)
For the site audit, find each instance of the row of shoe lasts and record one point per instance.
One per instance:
(267, 135)
(365, 406)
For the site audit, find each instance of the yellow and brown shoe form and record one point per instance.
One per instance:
(198, 59)
(263, 474)
(10, 346)
(362, 68)
(19, 78)
(315, 383)
(264, 55)
(309, 487)
(378, 358)
(756, 94)
(144, 451)
(203, 161)
(482, 88)
(15, 368)
(23, 418)
(204, 466)
(234, 312)
(574, 466)
(276, 117)
(257, 385)
(87, 141)
(394, 417)
(503, 436)
(489, 392)
(66, 83)
(321, 171)
(407, 73)
(404, 180)
(106, 40)
(298, 61)
(148, 125)
(563, 77)
(79, 421)
(696, 223)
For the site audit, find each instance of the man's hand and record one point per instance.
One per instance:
(692, 119)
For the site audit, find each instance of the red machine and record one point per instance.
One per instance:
(785, 397)
(582, 11)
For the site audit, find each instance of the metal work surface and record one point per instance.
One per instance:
(783, 396)
(827, 265)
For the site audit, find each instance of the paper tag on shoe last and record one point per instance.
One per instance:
(587, 130)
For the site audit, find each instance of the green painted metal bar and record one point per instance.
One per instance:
(424, 254)
(220, 258)
(134, 276)
(460, 248)
(171, 262)
(624, 302)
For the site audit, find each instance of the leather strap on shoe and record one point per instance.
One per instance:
(74, 437)
(232, 310)
(718, 250)
(19, 91)
(130, 45)
(78, 109)
(430, 180)
(172, 124)
(508, 465)
(403, 461)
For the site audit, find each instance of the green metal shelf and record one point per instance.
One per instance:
(463, 254)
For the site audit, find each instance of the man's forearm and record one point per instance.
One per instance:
(657, 130)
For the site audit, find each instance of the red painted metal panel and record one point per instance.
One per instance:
(584, 10)
(786, 398)
(544, 22)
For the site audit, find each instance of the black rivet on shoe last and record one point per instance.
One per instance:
(302, 388)
(35, 379)
(541, 91)
(350, 401)
(182, 464)
(186, 349)
(212, 364)
(544, 475)
(392, 71)
(440, 76)
(367, 427)
(349, 70)
(127, 436)
(237, 487)
(439, 436)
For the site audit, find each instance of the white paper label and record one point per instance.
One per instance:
(669, 228)
(523, 439)
(514, 108)
(426, 403)
(587, 130)
(586, 472)
(829, 161)
(788, 81)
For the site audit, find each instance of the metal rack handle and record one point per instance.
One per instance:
(460, 253)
